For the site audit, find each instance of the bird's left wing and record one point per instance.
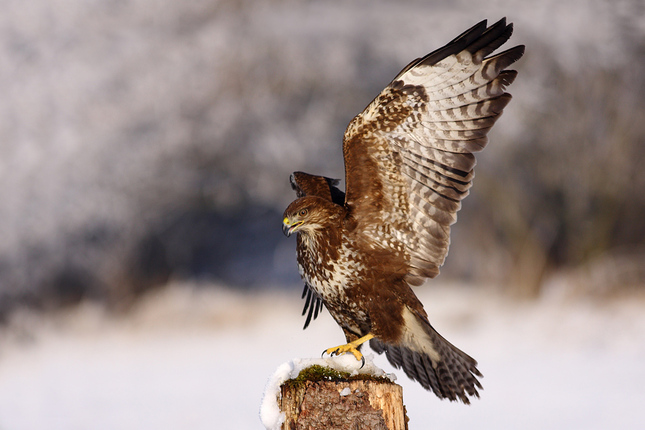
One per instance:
(305, 184)
(409, 155)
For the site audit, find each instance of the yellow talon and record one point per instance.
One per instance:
(351, 347)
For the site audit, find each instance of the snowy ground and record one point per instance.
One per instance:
(200, 359)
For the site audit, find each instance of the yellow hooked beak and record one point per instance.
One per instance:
(288, 228)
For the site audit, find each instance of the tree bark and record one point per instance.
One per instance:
(375, 404)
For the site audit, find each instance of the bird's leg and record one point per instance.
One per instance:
(351, 347)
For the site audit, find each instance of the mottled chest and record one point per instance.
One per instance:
(331, 273)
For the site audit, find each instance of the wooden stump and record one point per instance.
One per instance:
(326, 399)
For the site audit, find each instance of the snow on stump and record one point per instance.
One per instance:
(333, 393)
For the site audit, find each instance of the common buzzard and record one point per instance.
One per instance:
(408, 164)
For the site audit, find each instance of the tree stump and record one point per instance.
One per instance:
(322, 398)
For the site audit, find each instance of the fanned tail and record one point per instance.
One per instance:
(431, 360)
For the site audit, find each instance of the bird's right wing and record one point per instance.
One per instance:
(409, 155)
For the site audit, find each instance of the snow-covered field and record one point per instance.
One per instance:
(200, 359)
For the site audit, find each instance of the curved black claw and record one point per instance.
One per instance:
(331, 354)
(362, 362)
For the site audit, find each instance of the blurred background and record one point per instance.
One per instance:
(146, 145)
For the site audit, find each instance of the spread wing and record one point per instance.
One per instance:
(409, 155)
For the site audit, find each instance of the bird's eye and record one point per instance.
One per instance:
(302, 212)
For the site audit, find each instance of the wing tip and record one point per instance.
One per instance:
(480, 38)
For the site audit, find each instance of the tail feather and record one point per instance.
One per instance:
(425, 356)
(432, 376)
(421, 371)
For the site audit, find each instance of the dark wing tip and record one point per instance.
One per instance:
(454, 46)
(491, 39)
(458, 44)
(478, 38)
(513, 54)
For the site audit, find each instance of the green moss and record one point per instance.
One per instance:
(321, 373)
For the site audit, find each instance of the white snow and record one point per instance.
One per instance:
(200, 359)
(270, 413)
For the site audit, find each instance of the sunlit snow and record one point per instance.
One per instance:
(201, 359)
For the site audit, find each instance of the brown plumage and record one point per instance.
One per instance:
(408, 164)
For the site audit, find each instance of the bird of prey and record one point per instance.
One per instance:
(408, 164)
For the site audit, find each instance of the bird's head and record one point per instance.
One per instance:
(309, 215)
